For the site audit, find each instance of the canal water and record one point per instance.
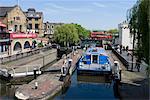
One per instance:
(87, 87)
(81, 87)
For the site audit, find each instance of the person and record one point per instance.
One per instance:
(127, 48)
(117, 71)
(137, 65)
(120, 49)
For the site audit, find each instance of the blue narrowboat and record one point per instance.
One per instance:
(94, 61)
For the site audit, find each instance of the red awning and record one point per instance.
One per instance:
(2, 25)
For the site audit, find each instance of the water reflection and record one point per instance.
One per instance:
(93, 79)
(88, 87)
(6, 90)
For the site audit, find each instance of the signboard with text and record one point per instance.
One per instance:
(22, 35)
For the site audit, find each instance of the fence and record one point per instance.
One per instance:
(122, 59)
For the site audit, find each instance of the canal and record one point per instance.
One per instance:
(81, 87)
(87, 87)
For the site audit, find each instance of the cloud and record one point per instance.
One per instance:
(60, 8)
(99, 5)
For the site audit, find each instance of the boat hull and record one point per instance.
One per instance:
(92, 72)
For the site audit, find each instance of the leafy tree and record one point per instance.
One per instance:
(138, 17)
(66, 34)
(82, 32)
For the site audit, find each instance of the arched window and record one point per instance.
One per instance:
(26, 45)
(17, 46)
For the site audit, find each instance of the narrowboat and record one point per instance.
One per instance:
(95, 62)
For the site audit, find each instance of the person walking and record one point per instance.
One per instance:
(137, 65)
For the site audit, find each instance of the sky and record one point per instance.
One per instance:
(91, 14)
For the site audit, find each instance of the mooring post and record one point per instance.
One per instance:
(34, 73)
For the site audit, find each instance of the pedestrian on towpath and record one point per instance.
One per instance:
(137, 65)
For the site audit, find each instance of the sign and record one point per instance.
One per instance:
(22, 35)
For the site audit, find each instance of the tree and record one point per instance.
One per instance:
(82, 32)
(66, 34)
(138, 17)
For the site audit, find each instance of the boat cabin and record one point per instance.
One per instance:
(95, 56)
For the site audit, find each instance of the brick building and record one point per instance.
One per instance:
(35, 21)
(14, 18)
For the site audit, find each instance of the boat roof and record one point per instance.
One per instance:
(96, 51)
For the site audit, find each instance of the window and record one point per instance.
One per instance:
(17, 18)
(15, 28)
(29, 26)
(36, 19)
(52, 26)
(30, 18)
(36, 26)
(20, 28)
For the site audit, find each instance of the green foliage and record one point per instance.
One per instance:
(70, 34)
(138, 17)
(113, 31)
(82, 32)
(139, 26)
(66, 34)
(40, 44)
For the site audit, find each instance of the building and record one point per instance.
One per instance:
(35, 21)
(14, 18)
(15, 42)
(103, 36)
(4, 41)
(22, 42)
(125, 38)
(49, 29)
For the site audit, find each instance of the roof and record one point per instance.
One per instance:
(100, 32)
(4, 10)
(96, 50)
(31, 13)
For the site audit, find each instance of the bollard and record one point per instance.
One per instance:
(36, 85)
(63, 71)
(34, 73)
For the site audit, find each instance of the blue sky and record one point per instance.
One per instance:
(91, 14)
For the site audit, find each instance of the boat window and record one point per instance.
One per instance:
(95, 58)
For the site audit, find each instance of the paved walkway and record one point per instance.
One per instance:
(48, 84)
(129, 59)
(135, 85)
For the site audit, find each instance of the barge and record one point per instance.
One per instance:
(94, 62)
